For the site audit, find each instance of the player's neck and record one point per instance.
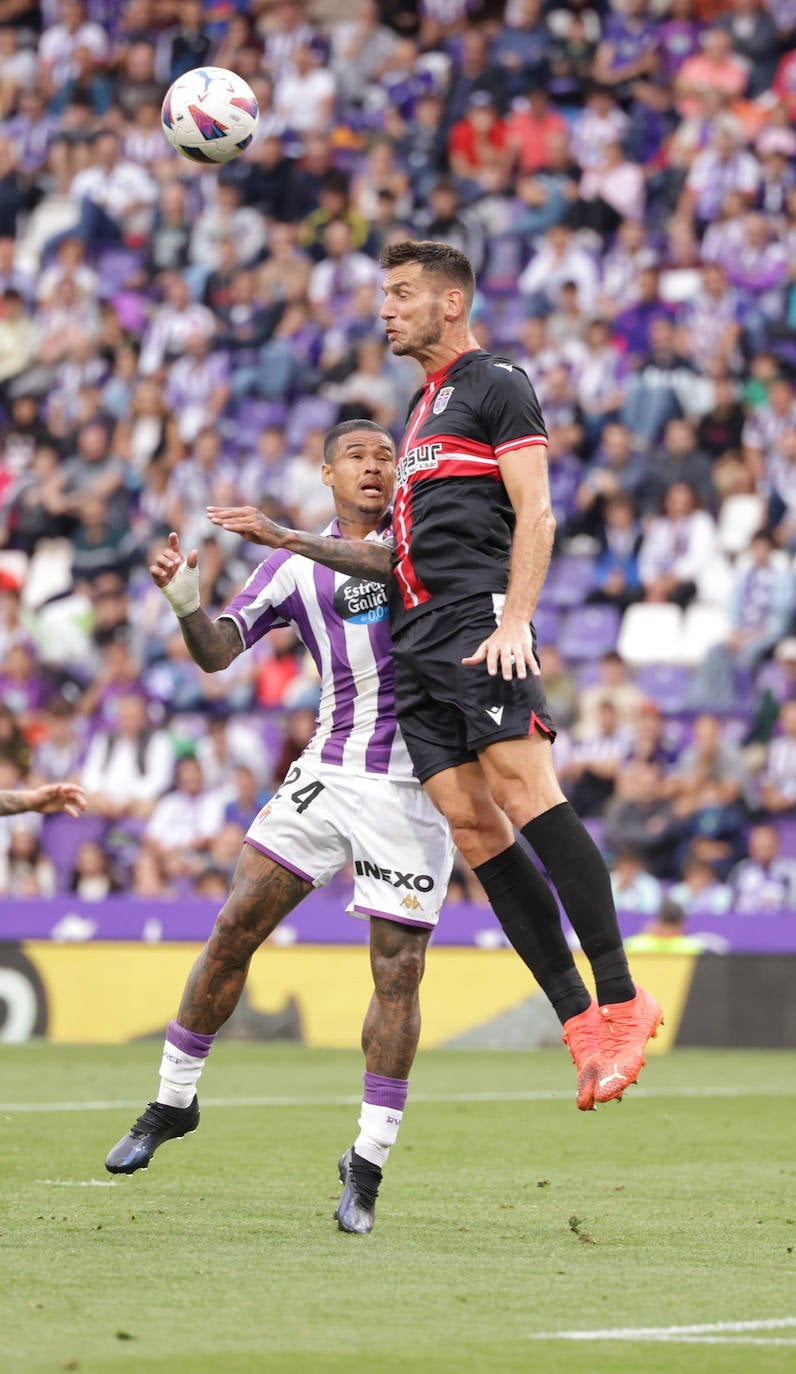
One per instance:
(353, 525)
(439, 356)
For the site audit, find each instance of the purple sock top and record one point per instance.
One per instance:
(386, 1092)
(190, 1042)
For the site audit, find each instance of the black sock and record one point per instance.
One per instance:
(528, 913)
(579, 874)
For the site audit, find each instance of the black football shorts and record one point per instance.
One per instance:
(449, 712)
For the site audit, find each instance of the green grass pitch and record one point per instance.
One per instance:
(505, 1213)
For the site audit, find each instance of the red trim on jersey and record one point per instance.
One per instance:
(520, 443)
(435, 377)
(456, 441)
(413, 592)
(456, 466)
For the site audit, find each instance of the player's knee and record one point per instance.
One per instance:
(231, 942)
(479, 837)
(397, 975)
(524, 795)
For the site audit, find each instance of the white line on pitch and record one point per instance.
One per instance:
(710, 1333)
(77, 1182)
(351, 1099)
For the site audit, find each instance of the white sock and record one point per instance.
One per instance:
(378, 1131)
(180, 1070)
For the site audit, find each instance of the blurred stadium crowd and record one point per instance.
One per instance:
(623, 176)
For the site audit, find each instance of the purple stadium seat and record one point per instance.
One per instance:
(115, 268)
(63, 835)
(587, 673)
(786, 829)
(257, 414)
(509, 312)
(309, 412)
(666, 684)
(570, 579)
(545, 622)
(589, 632)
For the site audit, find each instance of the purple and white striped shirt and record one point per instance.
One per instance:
(343, 621)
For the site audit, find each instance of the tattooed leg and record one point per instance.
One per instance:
(389, 1039)
(392, 1024)
(263, 892)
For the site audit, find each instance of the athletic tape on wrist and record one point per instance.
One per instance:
(182, 592)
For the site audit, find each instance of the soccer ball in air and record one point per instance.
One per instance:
(210, 115)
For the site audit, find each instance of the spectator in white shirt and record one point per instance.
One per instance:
(621, 266)
(197, 389)
(17, 69)
(361, 50)
(633, 887)
(700, 890)
(170, 326)
(185, 821)
(128, 769)
(764, 881)
(309, 500)
(723, 166)
(118, 197)
(778, 779)
(611, 190)
(676, 548)
(304, 95)
(601, 122)
(597, 760)
(62, 45)
(227, 219)
(559, 260)
(334, 280)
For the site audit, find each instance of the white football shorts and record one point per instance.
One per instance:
(400, 846)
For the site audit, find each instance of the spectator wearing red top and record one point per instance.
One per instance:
(784, 83)
(531, 123)
(479, 149)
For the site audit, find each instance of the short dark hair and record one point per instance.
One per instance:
(348, 427)
(440, 259)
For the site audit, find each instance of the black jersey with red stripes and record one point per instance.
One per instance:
(453, 519)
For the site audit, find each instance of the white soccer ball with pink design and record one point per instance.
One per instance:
(210, 115)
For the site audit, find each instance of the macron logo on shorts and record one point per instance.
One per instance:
(495, 714)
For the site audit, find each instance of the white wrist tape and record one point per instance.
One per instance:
(182, 592)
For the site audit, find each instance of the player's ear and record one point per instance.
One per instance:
(327, 474)
(454, 304)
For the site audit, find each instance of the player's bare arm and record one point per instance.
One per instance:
(213, 644)
(54, 796)
(369, 560)
(510, 647)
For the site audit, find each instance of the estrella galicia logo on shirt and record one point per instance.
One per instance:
(441, 399)
(363, 603)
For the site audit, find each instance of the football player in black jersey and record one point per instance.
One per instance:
(474, 533)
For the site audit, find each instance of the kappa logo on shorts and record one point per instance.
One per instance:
(495, 714)
(441, 399)
(411, 903)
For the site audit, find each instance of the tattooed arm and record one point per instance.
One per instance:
(53, 796)
(213, 644)
(370, 559)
